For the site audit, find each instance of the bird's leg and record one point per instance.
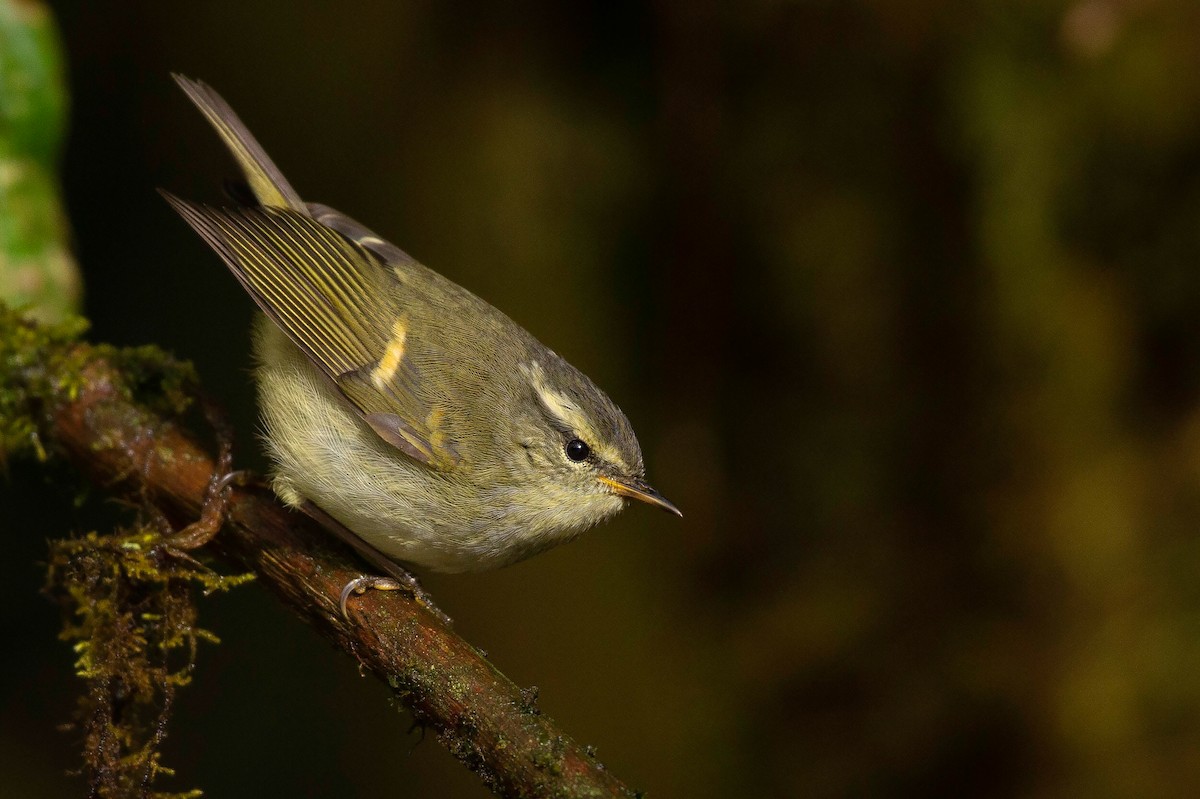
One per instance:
(397, 577)
(213, 511)
(215, 507)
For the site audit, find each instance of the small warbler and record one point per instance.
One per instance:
(413, 418)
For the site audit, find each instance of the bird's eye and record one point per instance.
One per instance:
(577, 450)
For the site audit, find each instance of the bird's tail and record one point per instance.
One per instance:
(270, 187)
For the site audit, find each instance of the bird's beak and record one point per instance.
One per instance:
(636, 489)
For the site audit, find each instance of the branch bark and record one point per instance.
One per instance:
(484, 719)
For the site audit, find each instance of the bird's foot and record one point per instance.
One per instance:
(406, 582)
(213, 512)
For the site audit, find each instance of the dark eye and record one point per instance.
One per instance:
(577, 450)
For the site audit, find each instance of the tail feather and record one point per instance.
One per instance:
(270, 187)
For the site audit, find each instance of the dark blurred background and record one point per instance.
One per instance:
(902, 297)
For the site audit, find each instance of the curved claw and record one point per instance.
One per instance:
(238, 477)
(364, 583)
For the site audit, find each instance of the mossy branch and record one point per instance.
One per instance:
(86, 403)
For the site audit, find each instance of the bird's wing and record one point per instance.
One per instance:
(359, 233)
(334, 298)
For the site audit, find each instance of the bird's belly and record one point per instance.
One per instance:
(323, 452)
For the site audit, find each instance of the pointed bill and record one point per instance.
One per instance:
(637, 489)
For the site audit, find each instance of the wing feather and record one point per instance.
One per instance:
(334, 298)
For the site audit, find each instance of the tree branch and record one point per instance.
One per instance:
(485, 720)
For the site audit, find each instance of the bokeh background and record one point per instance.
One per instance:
(902, 297)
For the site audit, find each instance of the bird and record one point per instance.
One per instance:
(419, 423)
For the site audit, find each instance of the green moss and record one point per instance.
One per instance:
(129, 611)
(128, 599)
(26, 350)
(549, 755)
(41, 365)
